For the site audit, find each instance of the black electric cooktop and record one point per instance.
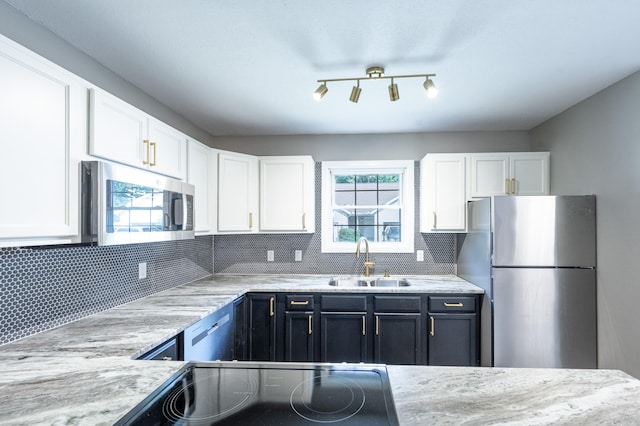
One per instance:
(241, 393)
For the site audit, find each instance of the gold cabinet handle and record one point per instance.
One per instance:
(304, 221)
(155, 151)
(513, 186)
(296, 302)
(272, 308)
(146, 160)
(433, 327)
(310, 320)
(364, 330)
(250, 220)
(377, 325)
(435, 220)
(507, 187)
(453, 305)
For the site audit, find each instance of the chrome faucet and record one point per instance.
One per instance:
(367, 263)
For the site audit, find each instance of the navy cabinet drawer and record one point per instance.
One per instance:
(396, 303)
(343, 303)
(452, 304)
(300, 302)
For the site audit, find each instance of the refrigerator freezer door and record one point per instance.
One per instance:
(544, 317)
(544, 231)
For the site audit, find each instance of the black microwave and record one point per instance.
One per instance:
(124, 205)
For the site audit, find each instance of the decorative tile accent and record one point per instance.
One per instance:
(248, 253)
(44, 287)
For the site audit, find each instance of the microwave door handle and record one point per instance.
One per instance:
(178, 212)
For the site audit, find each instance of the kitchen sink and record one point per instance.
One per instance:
(390, 282)
(359, 282)
(348, 282)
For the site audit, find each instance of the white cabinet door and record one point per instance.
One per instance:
(168, 150)
(522, 173)
(489, 174)
(443, 193)
(529, 173)
(123, 133)
(237, 192)
(117, 130)
(202, 173)
(287, 194)
(42, 131)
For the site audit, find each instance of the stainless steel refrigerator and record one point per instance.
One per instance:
(536, 258)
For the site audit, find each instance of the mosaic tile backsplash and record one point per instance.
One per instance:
(41, 288)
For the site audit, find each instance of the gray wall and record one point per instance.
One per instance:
(595, 149)
(403, 146)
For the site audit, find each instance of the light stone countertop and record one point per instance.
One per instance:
(82, 373)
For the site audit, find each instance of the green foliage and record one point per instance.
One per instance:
(367, 178)
(348, 234)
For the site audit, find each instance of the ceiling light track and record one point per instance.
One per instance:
(376, 73)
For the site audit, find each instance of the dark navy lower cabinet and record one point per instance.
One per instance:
(454, 330)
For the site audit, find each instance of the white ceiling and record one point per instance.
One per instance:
(248, 67)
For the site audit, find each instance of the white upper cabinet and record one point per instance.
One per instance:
(237, 192)
(202, 167)
(287, 194)
(443, 181)
(167, 150)
(529, 173)
(42, 131)
(123, 133)
(522, 173)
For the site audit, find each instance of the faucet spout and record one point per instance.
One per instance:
(367, 263)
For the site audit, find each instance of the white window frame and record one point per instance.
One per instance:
(407, 217)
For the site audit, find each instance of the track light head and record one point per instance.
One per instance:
(355, 93)
(430, 88)
(320, 92)
(393, 92)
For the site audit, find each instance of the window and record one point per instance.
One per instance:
(372, 199)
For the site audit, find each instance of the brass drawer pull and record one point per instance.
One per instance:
(272, 310)
(310, 320)
(295, 302)
(453, 305)
(377, 325)
(364, 330)
(433, 327)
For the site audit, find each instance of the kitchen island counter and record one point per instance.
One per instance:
(80, 391)
(83, 372)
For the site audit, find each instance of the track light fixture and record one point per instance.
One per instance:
(376, 73)
(430, 88)
(393, 92)
(320, 91)
(355, 93)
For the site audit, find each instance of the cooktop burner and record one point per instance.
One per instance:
(240, 393)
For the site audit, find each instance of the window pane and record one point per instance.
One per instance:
(345, 198)
(375, 224)
(389, 197)
(367, 198)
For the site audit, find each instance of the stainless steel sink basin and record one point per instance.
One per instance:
(360, 282)
(348, 282)
(390, 282)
